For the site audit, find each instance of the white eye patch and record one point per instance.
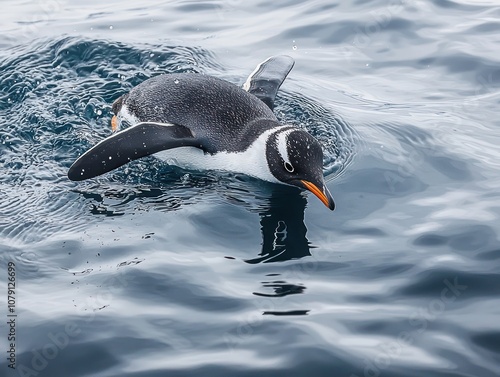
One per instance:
(282, 141)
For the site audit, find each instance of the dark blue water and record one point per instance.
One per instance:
(155, 271)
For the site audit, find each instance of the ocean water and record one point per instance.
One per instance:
(155, 271)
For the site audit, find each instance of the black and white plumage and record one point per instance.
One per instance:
(201, 122)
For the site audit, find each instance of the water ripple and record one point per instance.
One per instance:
(77, 80)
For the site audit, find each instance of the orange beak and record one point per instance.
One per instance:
(114, 123)
(324, 196)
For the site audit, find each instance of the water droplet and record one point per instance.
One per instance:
(151, 55)
(294, 47)
(110, 157)
(111, 27)
(176, 81)
(99, 112)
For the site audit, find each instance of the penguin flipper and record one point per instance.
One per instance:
(142, 139)
(267, 78)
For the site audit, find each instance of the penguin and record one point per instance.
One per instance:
(201, 122)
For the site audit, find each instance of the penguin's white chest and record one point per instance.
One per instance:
(252, 161)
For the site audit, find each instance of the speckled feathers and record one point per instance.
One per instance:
(221, 115)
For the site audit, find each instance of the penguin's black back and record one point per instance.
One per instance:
(222, 116)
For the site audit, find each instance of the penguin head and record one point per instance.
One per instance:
(295, 158)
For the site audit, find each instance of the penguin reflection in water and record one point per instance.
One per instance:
(200, 122)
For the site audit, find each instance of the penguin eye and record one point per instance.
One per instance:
(289, 168)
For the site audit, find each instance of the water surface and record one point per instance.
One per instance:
(152, 271)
